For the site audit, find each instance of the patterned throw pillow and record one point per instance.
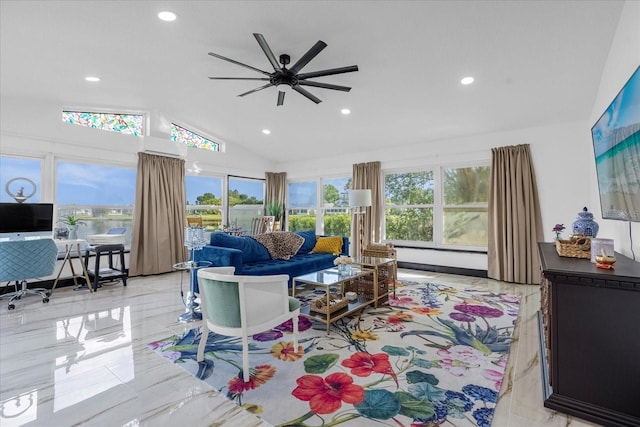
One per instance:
(331, 245)
(280, 244)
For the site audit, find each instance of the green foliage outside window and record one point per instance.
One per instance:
(409, 224)
(331, 194)
(301, 222)
(236, 198)
(334, 224)
(409, 212)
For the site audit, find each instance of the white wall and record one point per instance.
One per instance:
(561, 154)
(624, 58)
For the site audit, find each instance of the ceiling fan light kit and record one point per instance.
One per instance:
(291, 77)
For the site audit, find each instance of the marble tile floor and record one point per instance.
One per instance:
(82, 359)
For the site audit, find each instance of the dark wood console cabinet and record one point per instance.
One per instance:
(590, 327)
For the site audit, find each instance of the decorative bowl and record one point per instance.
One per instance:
(605, 261)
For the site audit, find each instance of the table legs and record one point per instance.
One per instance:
(67, 258)
(191, 315)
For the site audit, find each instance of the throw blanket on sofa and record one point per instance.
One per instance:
(280, 244)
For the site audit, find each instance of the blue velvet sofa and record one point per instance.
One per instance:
(252, 259)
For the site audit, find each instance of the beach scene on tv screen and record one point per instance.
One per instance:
(616, 145)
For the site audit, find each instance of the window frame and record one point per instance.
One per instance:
(83, 160)
(438, 207)
(320, 207)
(193, 207)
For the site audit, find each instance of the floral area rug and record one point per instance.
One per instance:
(435, 356)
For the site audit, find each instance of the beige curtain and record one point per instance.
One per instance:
(276, 191)
(159, 215)
(515, 224)
(367, 176)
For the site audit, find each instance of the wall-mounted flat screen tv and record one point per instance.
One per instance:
(616, 144)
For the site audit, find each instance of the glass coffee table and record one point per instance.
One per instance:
(323, 283)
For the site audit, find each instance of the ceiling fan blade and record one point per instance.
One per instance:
(330, 72)
(280, 98)
(239, 78)
(257, 89)
(239, 63)
(311, 53)
(324, 85)
(304, 92)
(267, 51)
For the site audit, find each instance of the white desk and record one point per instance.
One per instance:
(69, 245)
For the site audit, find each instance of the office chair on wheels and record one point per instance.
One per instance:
(27, 259)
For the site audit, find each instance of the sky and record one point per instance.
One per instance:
(85, 184)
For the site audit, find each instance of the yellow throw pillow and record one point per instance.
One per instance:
(331, 245)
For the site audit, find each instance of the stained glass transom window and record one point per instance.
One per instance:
(192, 139)
(130, 124)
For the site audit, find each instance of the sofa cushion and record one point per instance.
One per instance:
(309, 237)
(331, 245)
(280, 244)
(252, 251)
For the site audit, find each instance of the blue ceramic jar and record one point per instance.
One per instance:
(585, 224)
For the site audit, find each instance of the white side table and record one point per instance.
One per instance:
(69, 245)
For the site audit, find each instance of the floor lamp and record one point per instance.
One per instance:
(359, 200)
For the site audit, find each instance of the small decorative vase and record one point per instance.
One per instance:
(73, 232)
(585, 224)
(343, 268)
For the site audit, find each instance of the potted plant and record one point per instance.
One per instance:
(72, 222)
(275, 209)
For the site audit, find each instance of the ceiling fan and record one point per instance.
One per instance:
(289, 76)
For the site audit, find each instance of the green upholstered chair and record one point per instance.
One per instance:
(241, 306)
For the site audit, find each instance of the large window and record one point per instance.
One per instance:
(330, 216)
(245, 201)
(302, 207)
(465, 206)
(409, 206)
(11, 170)
(101, 196)
(336, 214)
(204, 200)
(442, 207)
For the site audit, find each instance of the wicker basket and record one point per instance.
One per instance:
(379, 250)
(363, 286)
(578, 247)
(320, 305)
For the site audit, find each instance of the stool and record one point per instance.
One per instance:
(107, 274)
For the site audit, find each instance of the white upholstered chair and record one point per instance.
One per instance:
(241, 306)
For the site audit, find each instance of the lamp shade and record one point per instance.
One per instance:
(359, 198)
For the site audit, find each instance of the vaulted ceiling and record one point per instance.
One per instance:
(534, 63)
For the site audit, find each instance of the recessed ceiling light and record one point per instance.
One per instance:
(167, 16)
(92, 79)
(345, 111)
(266, 131)
(467, 80)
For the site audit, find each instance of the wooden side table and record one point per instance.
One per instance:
(69, 245)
